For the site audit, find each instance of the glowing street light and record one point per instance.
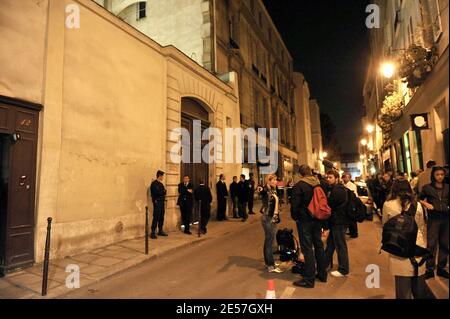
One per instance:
(388, 69)
(335, 164)
(324, 154)
(370, 128)
(363, 142)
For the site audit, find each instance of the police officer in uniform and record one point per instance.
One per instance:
(158, 193)
(185, 201)
(203, 195)
(222, 195)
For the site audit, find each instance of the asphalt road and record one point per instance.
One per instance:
(232, 267)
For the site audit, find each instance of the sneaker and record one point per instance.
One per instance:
(161, 233)
(337, 274)
(274, 269)
(429, 274)
(442, 273)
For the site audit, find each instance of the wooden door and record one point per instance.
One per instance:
(18, 129)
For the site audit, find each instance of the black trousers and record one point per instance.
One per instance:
(242, 209)
(408, 287)
(221, 208)
(310, 235)
(186, 215)
(158, 215)
(437, 233)
(336, 241)
(205, 215)
(250, 202)
(353, 229)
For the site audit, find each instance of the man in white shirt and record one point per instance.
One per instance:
(347, 180)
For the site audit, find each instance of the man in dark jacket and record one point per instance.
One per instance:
(186, 201)
(233, 195)
(337, 199)
(385, 189)
(203, 194)
(222, 195)
(309, 229)
(434, 197)
(251, 194)
(242, 194)
(158, 194)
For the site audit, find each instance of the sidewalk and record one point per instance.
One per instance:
(104, 262)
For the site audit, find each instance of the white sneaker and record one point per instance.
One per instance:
(273, 269)
(337, 274)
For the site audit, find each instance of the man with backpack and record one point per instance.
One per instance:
(337, 199)
(309, 229)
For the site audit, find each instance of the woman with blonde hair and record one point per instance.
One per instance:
(270, 218)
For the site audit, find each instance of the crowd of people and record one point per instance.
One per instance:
(425, 195)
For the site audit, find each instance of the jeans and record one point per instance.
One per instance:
(310, 234)
(270, 230)
(438, 235)
(242, 209)
(336, 241)
(408, 287)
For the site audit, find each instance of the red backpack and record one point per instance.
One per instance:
(318, 206)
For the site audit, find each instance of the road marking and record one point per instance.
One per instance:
(287, 293)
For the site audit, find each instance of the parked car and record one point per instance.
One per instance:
(363, 194)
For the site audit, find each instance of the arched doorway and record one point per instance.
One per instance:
(191, 110)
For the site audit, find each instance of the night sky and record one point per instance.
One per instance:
(328, 41)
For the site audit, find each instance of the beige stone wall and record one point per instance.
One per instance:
(110, 94)
(22, 48)
(304, 139)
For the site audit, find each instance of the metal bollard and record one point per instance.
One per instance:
(46, 258)
(199, 217)
(146, 230)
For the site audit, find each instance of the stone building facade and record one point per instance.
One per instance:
(404, 23)
(86, 114)
(229, 36)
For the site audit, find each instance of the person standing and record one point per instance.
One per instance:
(242, 194)
(234, 196)
(158, 194)
(434, 197)
(203, 195)
(309, 229)
(385, 188)
(270, 219)
(425, 177)
(222, 196)
(406, 283)
(337, 198)
(251, 195)
(353, 226)
(186, 201)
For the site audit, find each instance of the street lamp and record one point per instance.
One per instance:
(324, 154)
(388, 69)
(363, 142)
(370, 128)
